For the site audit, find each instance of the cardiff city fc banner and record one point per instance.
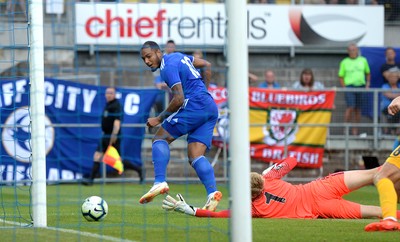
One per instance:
(72, 127)
(284, 123)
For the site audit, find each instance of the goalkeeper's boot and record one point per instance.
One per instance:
(383, 225)
(213, 200)
(160, 188)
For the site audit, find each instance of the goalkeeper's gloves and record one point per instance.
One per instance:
(179, 205)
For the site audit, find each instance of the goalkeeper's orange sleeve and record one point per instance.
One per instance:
(211, 214)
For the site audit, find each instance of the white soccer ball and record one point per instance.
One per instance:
(94, 208)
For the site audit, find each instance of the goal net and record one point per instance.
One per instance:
(45, 157)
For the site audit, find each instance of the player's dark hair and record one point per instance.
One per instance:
(256, 184)
(150, 44)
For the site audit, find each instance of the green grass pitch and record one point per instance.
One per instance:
(130, 221)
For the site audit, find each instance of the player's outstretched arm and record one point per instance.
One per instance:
(206, 66)
(280, 169)
(179, 205)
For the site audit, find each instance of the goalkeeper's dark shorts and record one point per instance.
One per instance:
(105, 142)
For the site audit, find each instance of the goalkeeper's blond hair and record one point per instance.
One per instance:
(257, 184)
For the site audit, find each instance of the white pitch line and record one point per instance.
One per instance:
(88, 234)
(71, 231)
(13, 223)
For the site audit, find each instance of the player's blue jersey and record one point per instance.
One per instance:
(178, 68)
(199, 113)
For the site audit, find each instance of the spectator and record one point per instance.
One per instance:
(307, 81)
(393, 9)
(111, 128)
(270, 81)
(252, 78)
(170, 47)
(392, 91)
(390, 64)
(354, 72)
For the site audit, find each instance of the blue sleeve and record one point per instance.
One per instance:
(171, 76)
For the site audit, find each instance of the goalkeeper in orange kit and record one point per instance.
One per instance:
(275, 198)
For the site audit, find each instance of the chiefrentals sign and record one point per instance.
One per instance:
(205, 24)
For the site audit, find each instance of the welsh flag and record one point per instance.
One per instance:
(291, 119)
(279, 119)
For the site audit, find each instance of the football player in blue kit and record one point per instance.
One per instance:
(191, 111)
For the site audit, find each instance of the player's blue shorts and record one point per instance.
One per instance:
(196, 118)
(354, 99)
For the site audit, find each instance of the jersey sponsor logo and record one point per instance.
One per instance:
(16, 135)
(271, 197)
(282, 127)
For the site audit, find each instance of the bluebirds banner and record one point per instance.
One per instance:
(73, 116)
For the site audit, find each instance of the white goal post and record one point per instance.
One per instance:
(239, 145)
(36, 77)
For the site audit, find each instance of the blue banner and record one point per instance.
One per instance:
(71, 110)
